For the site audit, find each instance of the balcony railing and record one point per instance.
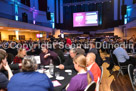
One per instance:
(131, 19)
(7, 16)
(12, 17)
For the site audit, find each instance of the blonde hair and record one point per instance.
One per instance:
(19, 54)
(80, 60)
(29, 64)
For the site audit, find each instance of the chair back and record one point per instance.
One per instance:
(98, 84)
(101, 73)
(114, 58)
(59, 59)
(91, 86)
(130, 73)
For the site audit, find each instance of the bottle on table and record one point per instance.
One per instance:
(51, 68)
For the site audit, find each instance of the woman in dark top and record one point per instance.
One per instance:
(19, 57)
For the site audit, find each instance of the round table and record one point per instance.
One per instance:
(65, 81)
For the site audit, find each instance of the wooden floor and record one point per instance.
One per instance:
(114, 83)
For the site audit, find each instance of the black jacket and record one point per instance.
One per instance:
(68, 64)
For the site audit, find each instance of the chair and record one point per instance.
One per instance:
(91, 86)
(130, 73)
(98, 84)
(99, 79)
(101, 74)
(116, 63)
(114, 60)
(122, 67)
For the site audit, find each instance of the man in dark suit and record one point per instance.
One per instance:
(80, 50)
(93, 49)
(68, 64)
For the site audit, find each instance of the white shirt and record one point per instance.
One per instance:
(89, 67)
(121, 54)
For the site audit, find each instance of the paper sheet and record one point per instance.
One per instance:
(38, 60)
(56, 83)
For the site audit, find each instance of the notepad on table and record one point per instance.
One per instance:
(56, 83)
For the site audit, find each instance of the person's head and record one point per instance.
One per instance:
(92, 44)
(21, 53)
(29, 64)
(57, 46)
(90, 58)
(122, 45)
(3, 57)
(79, 62)
(72, 53)
(79, 45)
(45, 50)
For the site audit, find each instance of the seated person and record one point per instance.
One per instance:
(19, 57)
(46, 55)
(92, 66)
(94, 50)
(68, 64)
(122, 55)
(83, 78)
(11, 49)
(3, 64)
(10, 60)
(59, 53)
(28, 79)
(66, 53)
(80, 50)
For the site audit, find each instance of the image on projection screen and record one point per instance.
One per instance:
(82, 19)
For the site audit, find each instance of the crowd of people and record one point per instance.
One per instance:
(83, 56)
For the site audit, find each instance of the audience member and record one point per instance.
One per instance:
(46, 55)
(19, 57)
(4, 65)
(27, 79)
(122, 55)
(93, 49)
(80, 50)
(68, 64)
(92, 66)
(83, 78)
(60, 53)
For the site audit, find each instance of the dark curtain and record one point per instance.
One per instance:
(42, 5)
(26, 2)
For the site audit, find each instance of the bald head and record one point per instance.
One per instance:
(90, 58)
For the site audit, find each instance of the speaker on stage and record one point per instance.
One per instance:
(48, 14)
